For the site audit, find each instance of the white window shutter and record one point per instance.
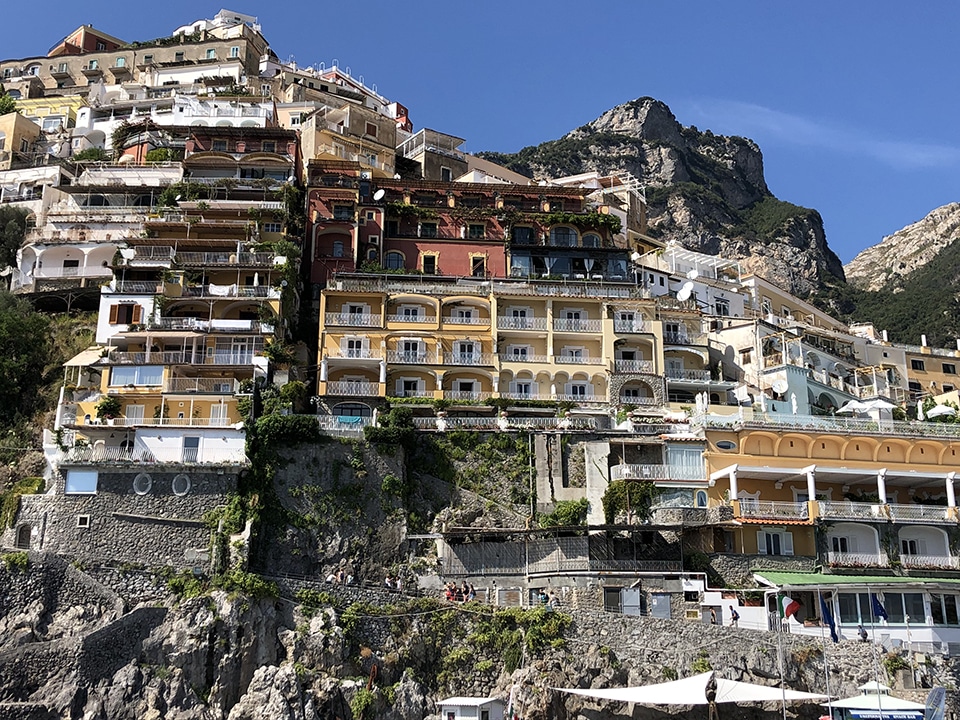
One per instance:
(852, 544)
(399, 388)
(761, 542)
(788, 543)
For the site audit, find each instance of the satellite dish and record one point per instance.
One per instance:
(128, 253)
(685, 292)
(292, 179)
(397, 176)
(780, 386)
(378, 195)
(693, 275)
(635, 256)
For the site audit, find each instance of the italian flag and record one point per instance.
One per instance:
(788, 606)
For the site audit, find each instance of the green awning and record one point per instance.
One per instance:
(797, 579)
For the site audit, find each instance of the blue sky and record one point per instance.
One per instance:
(850, 102)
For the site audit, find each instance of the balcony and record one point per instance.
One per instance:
(468, 359)
(684, 338)
(862, 560)
(930, 562)
(524, 396)
(850, 510)
(830, 424)
(578, 398)
(577, 359)
(921, 514)
(151, 256)
(411, 357)
(421, 319)
(347, 425)
(219, 291)
(521, 323)
(578, 326)
(353, 354)
(687, 375)
(352, 319)
(355, 388)
(523, 358)
(119, 455)
(773, 511)
(658, 472)
(629, 326)
(452, 320)
(212, 386)
(633, 366)
(465, 395)
(641, 401)
(215, 259)
(133, 287)
(180, 358)
(197, 325)
(169, 422)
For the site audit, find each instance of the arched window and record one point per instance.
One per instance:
(591, 240)
(394, 261)
(338, 248)
(563, 236)
(701, 498)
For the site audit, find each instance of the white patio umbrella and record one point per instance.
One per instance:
(879, 404)
(940, 411)
(920, 411)
(852, 406)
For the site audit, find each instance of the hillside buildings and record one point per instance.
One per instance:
(231, 198)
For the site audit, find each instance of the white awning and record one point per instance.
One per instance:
(693, 691)
(85, 358)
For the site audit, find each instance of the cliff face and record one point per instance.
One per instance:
(890, 263)
(705, 191)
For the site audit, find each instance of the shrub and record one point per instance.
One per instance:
(567, 513)
(10, 498)
(16, 561)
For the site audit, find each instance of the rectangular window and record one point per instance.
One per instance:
(178, 57)
(272, 227)
(191, 449)
(446, 174)
(430, 264)
(428, 230)
(81, 482)
(235, 51)
(269, 146)
(721, 306)
(917, 364)
(371, 129)
(140, 375)
(343, 212)
(949, 369)
(521, 235)
(943, 608)
(478, 266)
(914, 386)
(121, 62)
(840, 544)
(211, 54)
(101, 46)
(476, 232)
(219, 145)
(147, 59)
(93, 64)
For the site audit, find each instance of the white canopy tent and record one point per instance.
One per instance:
(876, 703)
(693, 691)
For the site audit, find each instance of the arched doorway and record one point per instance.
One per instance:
(23, 537)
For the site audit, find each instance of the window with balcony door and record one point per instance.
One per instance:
(522, 387)
(572, 353)
(521, 235)
(721, 307)
(354, 347)
(411, 350)
(191, 449)
(411, 311)
(478, 266)
(563, 237)
(770, 542)
(407, 387)
(464, 314)
(519, 352)
(913, 547)
(944, 609)
(428, 229)
(476, 231)
(429, 264)
(577, 390)
(843, 544)
(446, 174)
(466, 351)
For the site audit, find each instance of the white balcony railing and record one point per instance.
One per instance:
(633, 366)
(684, 338)
(453, 320)
(634, 400)
(465, 395)
(523, 358)
(852, 559)
(930, 561)
(658, 472)
(469, 359)
(770, 510)
(573, 325)
(578, 398)
(524, 396)
(110, 454)
(354, 354)
(411, 318)
(352, 319)
(505, 322)
(920, 513)
(358, 388)
(687, 375)
(411, 357)
(166, 422)
(629, 326)
(849, 510)
(343, 424)
(576, 359)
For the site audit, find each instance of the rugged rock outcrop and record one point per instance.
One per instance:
(704, 191)
(891, 261)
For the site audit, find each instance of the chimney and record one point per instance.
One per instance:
(923, 340)
(887, 339)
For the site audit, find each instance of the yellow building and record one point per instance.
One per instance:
(17, 137)
(52, 113)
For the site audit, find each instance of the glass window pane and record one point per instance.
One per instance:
(848, 609)
(123, 375)
(893, 604)
(866, 611)
(913, 604)
(950, 609)
(936, 609)
(81, 481)
(150, 375)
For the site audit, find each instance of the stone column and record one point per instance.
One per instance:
(951, 495)
(882, 485)
(811, 483)
(323, 370)
(734, 490)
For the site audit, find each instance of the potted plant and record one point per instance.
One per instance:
(109, 408)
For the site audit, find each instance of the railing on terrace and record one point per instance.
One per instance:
(411, 318)
(151, 255)
(197, 324)
(577, 359)
(524, 396)
(771, 510)
(514, 357)
(413, 286)
(360, 388)
(688, 375)
(932, 562)
(451, 320)
(833, 424)
(920, 513)
(179, 358)
(521, 323)
(853, 559)
(633, 366)
(207, 259)
(688, 338)
(456, 423)
(411, 357)
(217, 386)
(576, 397)
(629, 326)
(657, 472)
(466, 395)
(572, 325)
(352, 319)
(215, 291)
(642, 401)
(471, 359)
(343, 424)
(849, 510)
(133, 287)
(575, 288)
(169, 422)
(108, 454)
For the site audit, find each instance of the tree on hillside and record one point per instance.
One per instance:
(13, 228)
(24, 339)
(7, 103)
